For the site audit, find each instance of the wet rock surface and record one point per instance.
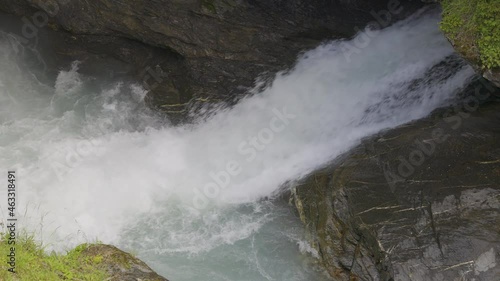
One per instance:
(418, 202)
(190, 53)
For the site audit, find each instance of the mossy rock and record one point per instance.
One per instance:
(119, 265)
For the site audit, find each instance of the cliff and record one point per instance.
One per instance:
(418, 202)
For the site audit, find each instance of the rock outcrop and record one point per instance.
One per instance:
(119, 265)
(418, 202)
(192, 52)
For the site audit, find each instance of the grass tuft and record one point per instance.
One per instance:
(33, 264)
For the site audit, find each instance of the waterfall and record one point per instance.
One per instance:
(196, 201)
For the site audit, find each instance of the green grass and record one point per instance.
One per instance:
(473, 26)
(33, 264)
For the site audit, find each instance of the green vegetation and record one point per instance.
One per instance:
(473, 26)
(33, 264)
(209, 5)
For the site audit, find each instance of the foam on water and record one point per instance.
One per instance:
(94, 162)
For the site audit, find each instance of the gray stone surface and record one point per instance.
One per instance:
(418, 202)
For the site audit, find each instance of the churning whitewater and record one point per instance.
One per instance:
(195, 201)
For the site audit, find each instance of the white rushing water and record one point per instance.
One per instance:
(94, 163)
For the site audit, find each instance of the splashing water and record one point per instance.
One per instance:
(194, 201)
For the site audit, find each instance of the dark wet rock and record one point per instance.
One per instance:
(119, 265)
(418, 202)
(492, 75)
(189, 53)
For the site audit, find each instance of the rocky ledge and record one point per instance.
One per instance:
(418, 202)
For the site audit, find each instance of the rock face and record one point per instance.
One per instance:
(419, 202)
(199, 51)
(119, 265)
